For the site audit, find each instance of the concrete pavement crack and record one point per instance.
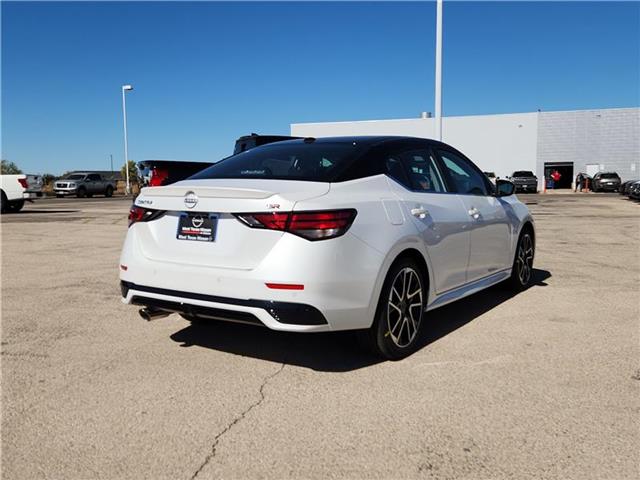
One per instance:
(235, 421)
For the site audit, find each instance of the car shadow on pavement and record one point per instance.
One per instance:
(336, 351)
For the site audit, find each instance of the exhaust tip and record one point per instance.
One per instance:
(152, 313)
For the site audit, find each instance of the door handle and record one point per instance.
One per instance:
(474, 213)
(419, 212)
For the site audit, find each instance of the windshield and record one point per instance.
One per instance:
(314, 161)
(75, 176)
(523, 173)
(609, 175)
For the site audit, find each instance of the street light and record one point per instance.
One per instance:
(126, 88)
(438, 82)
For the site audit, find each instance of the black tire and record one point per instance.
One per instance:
(15, 206)
(109, 192)
(4, 203)
(522, 269)
(395, 332)
(81, 193)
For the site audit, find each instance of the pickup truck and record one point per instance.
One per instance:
(84, 184)
(14, 190)
(525, 181)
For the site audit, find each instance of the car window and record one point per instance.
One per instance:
(292, 160)
(422, 171)
(394, 168)
(93, 177)
(466, 179)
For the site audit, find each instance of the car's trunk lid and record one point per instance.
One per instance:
(235, 245)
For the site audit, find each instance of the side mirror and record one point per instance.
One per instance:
(504, 188)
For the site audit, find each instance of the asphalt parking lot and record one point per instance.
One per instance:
(544, 384)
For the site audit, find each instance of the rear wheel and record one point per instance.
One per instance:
(396, 327)
(4, 203)
(522, 270)
(109, 191)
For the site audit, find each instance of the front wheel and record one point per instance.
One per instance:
(396, 327)
(81, 193)
(522, 270)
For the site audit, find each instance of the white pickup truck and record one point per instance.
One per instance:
(15, 189)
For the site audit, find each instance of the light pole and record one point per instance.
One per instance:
(438, 109)
(126, 88)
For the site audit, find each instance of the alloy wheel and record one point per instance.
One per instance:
(404, 307)
(524, 260)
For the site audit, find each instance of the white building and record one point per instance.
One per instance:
(570, 141)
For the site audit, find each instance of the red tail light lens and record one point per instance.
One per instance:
(310, 225)
(23, 182)
(140, 214)
(158, 177)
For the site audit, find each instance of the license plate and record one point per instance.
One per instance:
(199, 227)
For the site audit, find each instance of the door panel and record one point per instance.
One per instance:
(490, 234)
(443, 224)
(490, 226)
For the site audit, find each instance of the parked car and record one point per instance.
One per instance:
(634, 190)
(362, 233)
(605, 181)
(84, 184)
(624, 186)
(14, 190)
(35, 184)
(165, 172)
(525, 181)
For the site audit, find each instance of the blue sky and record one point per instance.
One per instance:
(206, 73)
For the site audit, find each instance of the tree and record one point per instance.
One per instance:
(48, 178)
(9, 168)
(133, 172)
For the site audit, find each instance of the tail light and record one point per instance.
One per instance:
(158, 177)
(320, 225)
(23, 182)
(140, 214)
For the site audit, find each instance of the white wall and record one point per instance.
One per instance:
(497, 143)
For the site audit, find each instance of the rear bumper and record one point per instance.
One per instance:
(65, 191)
(257, 312)
(339, 278)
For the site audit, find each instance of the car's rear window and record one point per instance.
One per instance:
(609, 175)
(313, 161)
(523, 173)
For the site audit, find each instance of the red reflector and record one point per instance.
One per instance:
(23, 182)
(285, 286)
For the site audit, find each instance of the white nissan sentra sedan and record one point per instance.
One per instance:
(313, 235)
